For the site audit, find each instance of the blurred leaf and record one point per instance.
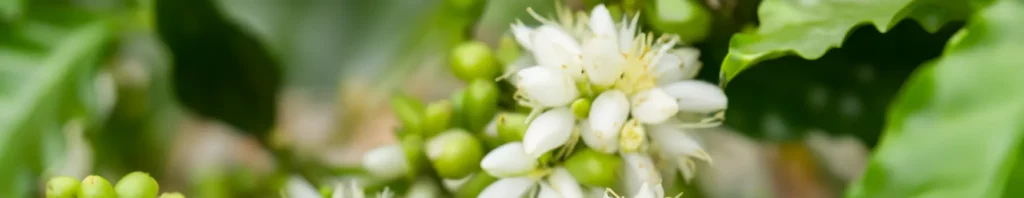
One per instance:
(219, 70)
(810, 28)
(10, 9)
(956, 130)
(43, 84)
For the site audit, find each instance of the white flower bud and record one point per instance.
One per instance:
(547, 192)
(697, 96)
(608, 113)
(602, 60)
(653, 106)
(554, 48)
(508, 187)
(564, 183)
(508, 160)
(675, 142)
(548, 131)
(386, 162)
(639, 169)
(522, 34)
(546, 86)
(601, 22)
(676, 65)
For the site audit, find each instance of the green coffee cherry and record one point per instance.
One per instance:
(412, 146)
(172, 195)
(508, 50)
(512, 126)
(96, 187)
(137, 184)
(473, 187)
(686, 18)
(593, 168)
(581, 108)
(437, 117)
(410, 112)
(474, 60)
(480, 103)
(455, 153)
(62, 187)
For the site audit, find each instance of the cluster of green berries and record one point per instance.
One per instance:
(133, 185)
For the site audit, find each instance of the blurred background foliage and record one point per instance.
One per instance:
(226, 98)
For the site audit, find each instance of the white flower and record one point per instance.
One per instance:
(547, 192)
(697, 96)
(647, 191)
(679, 64)
(546, 87)
(508, 187)
(653, 106)
(564, 183)
(508, 160)
(602, 60)
(633, 137)
(548, 131)
(608, 113)
(639, 169)
(386, 162)
(677, 145)
(554, 48)
(601, 22)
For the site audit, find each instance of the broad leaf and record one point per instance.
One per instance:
(810, 28)
(43, 84)
(956, 130)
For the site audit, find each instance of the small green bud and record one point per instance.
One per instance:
(593, 168)
(475, 185)
(473, 60)
(410, 112)
(62, 187)
(437, 117)
(172, 195)
(512, 126)
(455, 153)
(481, 103)
(686, 18)
(138, 185)
(508, 50)
(581, 108)
(96, 187)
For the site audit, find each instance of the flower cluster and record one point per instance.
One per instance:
(624, 93)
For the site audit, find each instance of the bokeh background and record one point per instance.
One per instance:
(210, 95)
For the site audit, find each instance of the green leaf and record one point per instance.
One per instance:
(810, 28)
(42, 86)
(10, 9)
(956, 130)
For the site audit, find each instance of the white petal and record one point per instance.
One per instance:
(675, 142)
(659, 191)
(697, 96)
(653, 106)
(547, 192)
(546, 86)
(565, 184)
(523, 34)
(626, 33)
(601, 22)
(690, 58)
(554, 48)
(668, 69)
(508, 187)
(646, 191)
(608, 113)
(386, 162)
(491, 130)
(639, 169)
(602, 60)
(454, 184)
(299, 188)
(548, 131)
(508, 160)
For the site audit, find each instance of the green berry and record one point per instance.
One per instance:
(481, 103)
(172, 195)
(473, 60)
(512, 126)
(455, 153)
(686, 18)
(473, 187)
(62, 187)
(581, 108)
(508, 50)
(459, 109)
(138, 185)
(412, 146)
(410, 113)
(437, 118)
(593, 168)
(96, 187)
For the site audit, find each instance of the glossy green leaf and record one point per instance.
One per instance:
(956, 130)
(43, 85)
(810, 28)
